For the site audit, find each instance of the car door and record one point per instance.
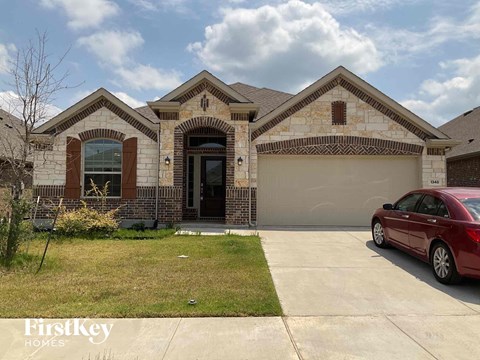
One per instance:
(397, 220)
(430, 220)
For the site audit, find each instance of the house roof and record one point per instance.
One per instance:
(267, 99)
(344, 77)
(465, 128)
(11, 130)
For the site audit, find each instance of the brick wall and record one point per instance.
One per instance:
(141, 208)
(464, 172)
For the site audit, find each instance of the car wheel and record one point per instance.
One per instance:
(378, 234)
(443, 265)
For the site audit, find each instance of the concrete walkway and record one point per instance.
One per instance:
(343, 299)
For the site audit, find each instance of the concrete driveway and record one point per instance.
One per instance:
(345, 298)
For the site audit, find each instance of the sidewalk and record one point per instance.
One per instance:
(185, 338)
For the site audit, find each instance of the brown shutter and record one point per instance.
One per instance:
(74, 160)
(129, 169)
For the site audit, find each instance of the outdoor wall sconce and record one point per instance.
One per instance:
(240, 161)
(167, 161)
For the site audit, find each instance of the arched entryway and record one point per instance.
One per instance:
(204, 167)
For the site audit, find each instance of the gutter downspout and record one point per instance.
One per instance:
(158, 177)
(250, 224)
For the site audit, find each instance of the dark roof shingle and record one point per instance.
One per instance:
(267, 99)
(465, 128)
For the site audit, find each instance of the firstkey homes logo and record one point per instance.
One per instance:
(45, 332)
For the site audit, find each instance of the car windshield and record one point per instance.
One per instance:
(473, 207)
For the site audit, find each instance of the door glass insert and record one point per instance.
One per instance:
(214, 178)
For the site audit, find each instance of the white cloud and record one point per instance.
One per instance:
(441, 100)
(127, 99)
(144, 77)
(112, 47)
(296, 40)
(399, 44)
(6, 56)
(84, 13)
(179, 6)
(10, 102)
(355, 6)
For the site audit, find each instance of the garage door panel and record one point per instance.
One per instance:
(318, 190)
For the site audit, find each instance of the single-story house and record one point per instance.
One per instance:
(240, 154)
(463, 161)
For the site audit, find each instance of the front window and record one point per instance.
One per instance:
(408, 203)
(102, 163)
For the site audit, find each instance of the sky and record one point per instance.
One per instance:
(425, 54)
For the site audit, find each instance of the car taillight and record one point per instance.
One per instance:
(474, 234)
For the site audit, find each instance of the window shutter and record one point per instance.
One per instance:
(129, 169)
(74, 161)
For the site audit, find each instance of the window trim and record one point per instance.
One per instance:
(83, 172)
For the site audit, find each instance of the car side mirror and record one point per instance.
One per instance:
(387, 207)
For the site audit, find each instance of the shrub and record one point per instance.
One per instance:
(14, 230)
(140, 226)
(85, 222)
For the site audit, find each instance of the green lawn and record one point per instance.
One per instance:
(227, 275)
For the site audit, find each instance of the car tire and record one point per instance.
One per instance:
(443, 264)
(378, 234)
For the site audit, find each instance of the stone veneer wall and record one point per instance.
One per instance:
(363, 121)
(192, 116)
(50, 165)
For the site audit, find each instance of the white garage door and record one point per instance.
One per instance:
(330, 190)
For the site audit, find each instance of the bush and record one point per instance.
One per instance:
(85, 222)
(14, 230)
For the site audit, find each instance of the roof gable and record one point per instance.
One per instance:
(200, 82)
(362, 90)
(90, 104)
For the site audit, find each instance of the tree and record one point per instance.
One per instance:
(35, 81)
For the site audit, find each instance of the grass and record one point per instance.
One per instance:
(226, 275)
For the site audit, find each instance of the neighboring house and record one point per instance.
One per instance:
(207, 151)
(11, 145)
(463, 161)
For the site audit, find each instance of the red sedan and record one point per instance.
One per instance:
(439, 226)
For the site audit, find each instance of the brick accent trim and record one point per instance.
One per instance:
(102, 102)
(43, 147)
(101, 133)
(339, 145)
(339, 80)
(208, 86)
(48, 191)
(239, 116)
(435, 151)
(205, 122)
(57, 191)
(168, 116)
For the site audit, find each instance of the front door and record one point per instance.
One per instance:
(212, 187)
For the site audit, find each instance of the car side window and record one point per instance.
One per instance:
(443, 211)
(408, 202)
(431, 205)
